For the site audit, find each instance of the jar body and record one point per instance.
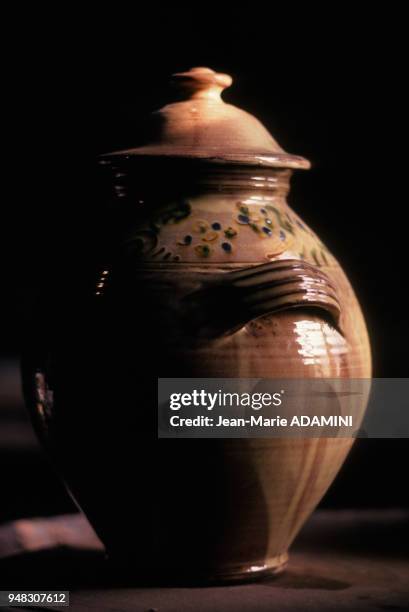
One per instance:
(214, 509)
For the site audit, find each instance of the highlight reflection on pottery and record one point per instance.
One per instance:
(208, 273)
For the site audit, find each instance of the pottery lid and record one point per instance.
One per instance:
(201, 125)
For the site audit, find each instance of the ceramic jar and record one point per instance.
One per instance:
(208, 273)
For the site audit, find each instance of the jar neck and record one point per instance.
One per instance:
(275, 181)
(138, 178)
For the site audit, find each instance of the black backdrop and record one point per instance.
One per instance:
(330, 87)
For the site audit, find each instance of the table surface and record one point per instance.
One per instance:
(342, 560)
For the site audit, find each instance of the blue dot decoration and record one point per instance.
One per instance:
(263, 211)
(267, 231)
(186, 241)
(244, 219)
(226, 246)
(216, 226)
(282, 235)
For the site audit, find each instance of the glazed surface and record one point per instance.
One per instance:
(224, 509)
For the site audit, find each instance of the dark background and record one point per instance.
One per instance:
(330, 85)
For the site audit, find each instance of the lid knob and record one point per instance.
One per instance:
(201, 83)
